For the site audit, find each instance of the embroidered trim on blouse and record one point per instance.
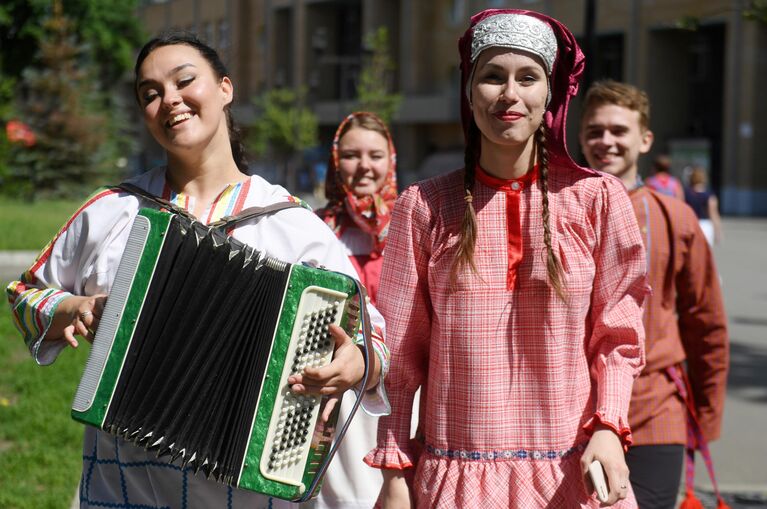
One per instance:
(518, 454)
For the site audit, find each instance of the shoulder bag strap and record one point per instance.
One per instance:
(695, 440)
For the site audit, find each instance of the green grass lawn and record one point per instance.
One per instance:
(30, 226)
(40, 444)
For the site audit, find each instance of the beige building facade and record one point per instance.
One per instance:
(703, 63)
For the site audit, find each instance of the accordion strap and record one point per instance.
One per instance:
(161, 202)
(224, 223)
(250, 213)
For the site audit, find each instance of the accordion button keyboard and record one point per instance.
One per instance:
(288, 439)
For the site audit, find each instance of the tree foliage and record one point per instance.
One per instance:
(6, 112)
(756, 11)
(284, 128)
(66, 63)
(109, 28)
(376, 78)
(20, 22)
(284, 125)
(76, 144)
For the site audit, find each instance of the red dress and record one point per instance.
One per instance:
(516, 377)
(369, 268)
(367, 261)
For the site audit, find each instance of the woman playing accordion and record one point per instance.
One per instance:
(184, 93)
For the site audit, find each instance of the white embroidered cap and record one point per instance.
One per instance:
(515, 31)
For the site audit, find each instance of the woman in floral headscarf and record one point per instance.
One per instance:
(514, 286)
(361, 188)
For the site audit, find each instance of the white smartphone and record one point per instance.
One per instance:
(597, 474)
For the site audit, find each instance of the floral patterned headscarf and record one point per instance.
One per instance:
(372, 213)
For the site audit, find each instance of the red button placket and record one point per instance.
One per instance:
(513, 190)
(514, 232)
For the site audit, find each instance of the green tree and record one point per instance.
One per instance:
(757, 11)
(6, 113)
(283, 129)
(109, 27)
(20, 22)
(376, 78)
(76, 146)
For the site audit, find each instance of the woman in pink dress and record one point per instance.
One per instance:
(514, 286)
(361, 187)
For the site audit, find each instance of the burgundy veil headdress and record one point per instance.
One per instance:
(567, 70)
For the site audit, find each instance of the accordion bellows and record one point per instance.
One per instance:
(193, 351)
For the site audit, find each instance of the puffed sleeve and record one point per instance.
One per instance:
(616, 345)
(61, 270)
(703, 328)
(404, 301)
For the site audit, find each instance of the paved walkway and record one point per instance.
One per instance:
(12, 263)
(740, 455)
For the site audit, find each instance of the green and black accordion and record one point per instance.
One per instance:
(192, 354)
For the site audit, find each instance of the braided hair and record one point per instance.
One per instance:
(553, 265)
(468, 233)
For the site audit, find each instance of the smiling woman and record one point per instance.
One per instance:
(361, 187)
(184, 93)
(512, 291)
(508, 99)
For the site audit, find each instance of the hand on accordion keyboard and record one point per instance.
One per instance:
(76, 316)
(346, 371)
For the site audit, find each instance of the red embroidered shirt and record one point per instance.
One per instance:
(684, 321)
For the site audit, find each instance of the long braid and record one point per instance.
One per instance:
(468, 231)
(553, 265)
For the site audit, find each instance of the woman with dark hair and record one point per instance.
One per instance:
(184, 93)
(514, 287)
(705, 204)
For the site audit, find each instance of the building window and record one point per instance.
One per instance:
(458, 12)
(609, 57)
(223, 34)
(207, 34)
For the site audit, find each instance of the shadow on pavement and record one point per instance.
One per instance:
(734, 500)
(749, 320)
(748, 376)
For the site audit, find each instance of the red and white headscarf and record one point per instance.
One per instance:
(372, 213)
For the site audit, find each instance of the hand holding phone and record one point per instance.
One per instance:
(597, 475)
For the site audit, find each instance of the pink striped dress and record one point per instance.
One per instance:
(516, 378)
